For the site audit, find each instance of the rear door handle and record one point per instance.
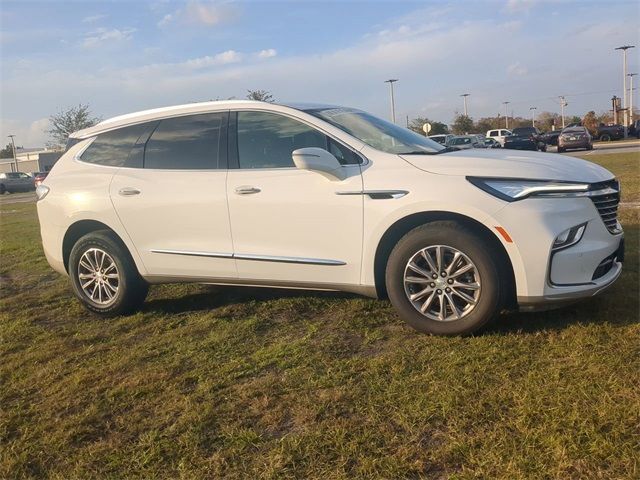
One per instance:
(129, 191)
(247, 190)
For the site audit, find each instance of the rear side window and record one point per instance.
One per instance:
(186, 143)
(112, 148)
(493, 133)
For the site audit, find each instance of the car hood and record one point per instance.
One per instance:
(510, 164)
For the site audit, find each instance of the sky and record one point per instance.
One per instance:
(123, 56)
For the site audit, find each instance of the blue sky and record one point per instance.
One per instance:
(121, 56)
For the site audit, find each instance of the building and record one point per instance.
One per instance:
(31, 160)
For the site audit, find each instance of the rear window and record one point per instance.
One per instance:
(524, 131)
(71, 142)
(112, 148)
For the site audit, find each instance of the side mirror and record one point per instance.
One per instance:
(318, 160)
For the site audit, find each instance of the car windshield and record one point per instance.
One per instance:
(377, 133)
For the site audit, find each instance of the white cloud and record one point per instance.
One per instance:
(224, 58)
(27, 134)
(166, 20)
(103, 36)
(268, 53)
(516, 69)
(93, 18)
(201, 13)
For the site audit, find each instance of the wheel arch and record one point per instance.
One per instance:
(79, 229)
(404, 225)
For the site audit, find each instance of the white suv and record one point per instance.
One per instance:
(499, 135)
(324, 197)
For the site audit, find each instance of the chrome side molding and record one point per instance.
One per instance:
(194, 253)
(257, 258)
(377, 194)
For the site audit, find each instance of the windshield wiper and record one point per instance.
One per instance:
(448, 149)
(417, 152)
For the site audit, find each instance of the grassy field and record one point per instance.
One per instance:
(260, 383)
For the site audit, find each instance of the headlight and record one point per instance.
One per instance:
(515, 189)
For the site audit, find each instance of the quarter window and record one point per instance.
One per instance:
(112, 148)
(266, 140)
(186, 143)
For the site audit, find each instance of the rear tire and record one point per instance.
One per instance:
(605, 137)
(470, 299)
(104, 276)
(561, 150)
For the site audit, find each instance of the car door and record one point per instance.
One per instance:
(171, 198)
(291, 225)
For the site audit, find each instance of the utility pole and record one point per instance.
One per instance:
(464, 98)
(624, 49)
(563, 103)
(15, 157)
(631, 75)
(533, 115)
(506, 115)
(391, 81)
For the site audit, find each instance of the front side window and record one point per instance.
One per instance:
(266, 140)
(494, 133)
(377, 133)
(186, 143)
(112, 148)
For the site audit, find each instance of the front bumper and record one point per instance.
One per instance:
(546, 278)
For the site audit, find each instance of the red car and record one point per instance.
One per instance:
(39, 177)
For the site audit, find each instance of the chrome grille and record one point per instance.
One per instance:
(606, 197)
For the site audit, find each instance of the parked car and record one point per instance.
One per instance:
(499, 135)
(573, 138)
(607, 133)
(15, 182)
(39, 177)
(525, 138)
(464, 142)
(442, 139)
(551, 138)
(491, 143)
(324, 197)
(634, 129)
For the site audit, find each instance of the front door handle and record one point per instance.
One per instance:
(129, 191)
(247, 190)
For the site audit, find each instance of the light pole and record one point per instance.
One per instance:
(391, 81)
(563, 103)
(624, 49)
(533, 115)
(464, 98)
(631, 75)
(506, 115)
(13, 146)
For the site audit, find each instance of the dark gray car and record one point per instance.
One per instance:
(16, 182)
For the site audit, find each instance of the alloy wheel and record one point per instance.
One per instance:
(442, 283)
(98, 276)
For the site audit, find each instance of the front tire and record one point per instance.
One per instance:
(443, 279)
(104, 276)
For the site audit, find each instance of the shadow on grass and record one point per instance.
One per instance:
(213, 296)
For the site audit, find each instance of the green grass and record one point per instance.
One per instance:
(260, 383)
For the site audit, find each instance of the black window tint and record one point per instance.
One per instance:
(186, 143)
(266, 140)
(343, 154)
(112, 148)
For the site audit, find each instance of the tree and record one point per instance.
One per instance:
(437, 128)
(7, 152)
(260, 95)
(462, 124)
(591, 122)
(64, 123)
